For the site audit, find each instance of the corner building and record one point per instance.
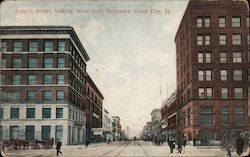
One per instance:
(212, 44)
(43, 69)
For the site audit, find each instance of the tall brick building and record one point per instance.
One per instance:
(94, 106)
(43, 68)
(212, 62)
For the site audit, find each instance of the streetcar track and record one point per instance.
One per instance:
(122, 149)
(142, 148)
(108, 152)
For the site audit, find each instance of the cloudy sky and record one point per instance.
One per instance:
(132, 55)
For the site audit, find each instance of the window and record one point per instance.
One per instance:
(14, 113)
(237, 57)
(237, 75)
(199, 40)
(206, 116)
(223, 39)
(61, 46)
(223, 75)
(201, 93)
(17, 46)
(31, 95)
(207, 40)
(199, 22)
(248, 39)
(207, 21)
(30, 133)
(33, 46)
(60, 79)
(189, 117)
(247, 20)
(61, 63)
(209, 93)
(16, 96)
(3, 47)
(59, 132)
(46, 132)
(59, 112)
(224, 93)
(14, 133)
(240, 116)
(16, 79)
(1, 113)
(32, 63)
(2, 80)
(222, 21)
(32, 80)
(60, 96)
(70, 114)
(208, 75)
(208, 57)
(46, 112)
(201, 75)
(235, 21)
(184, 119)
(48, 46)
(200, 57)
(3, 63)
(225, 115)
(48, 63)
(47, 96)
(223, 57)
(47, 79)
(17, 63)
(30, 113)
(238, 93)
(236, 39)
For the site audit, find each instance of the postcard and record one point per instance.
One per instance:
(124, 78)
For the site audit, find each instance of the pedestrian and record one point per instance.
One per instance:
(240, 145)
(87, 142)
(52, 142)
(194, 142)
(179, 146)
(58, 147)
(184, 142)
(171, 145)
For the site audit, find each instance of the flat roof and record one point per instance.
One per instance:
(12, 30)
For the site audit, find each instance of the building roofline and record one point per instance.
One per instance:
(8, 30)
(155, 110)
(194, 2)
(94, 86)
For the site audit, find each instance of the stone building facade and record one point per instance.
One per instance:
(43, 68)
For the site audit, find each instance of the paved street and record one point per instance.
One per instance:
(123, 149)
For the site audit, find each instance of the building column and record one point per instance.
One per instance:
(38, 132)
(53, 132)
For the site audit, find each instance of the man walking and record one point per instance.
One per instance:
(58, 147)
(240, 145)
(171, 145)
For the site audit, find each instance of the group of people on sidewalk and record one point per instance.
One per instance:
(179, 143)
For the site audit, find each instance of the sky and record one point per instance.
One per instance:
(130, 45)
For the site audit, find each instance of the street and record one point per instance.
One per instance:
(121, 149)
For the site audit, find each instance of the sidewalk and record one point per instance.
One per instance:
(49, 152)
